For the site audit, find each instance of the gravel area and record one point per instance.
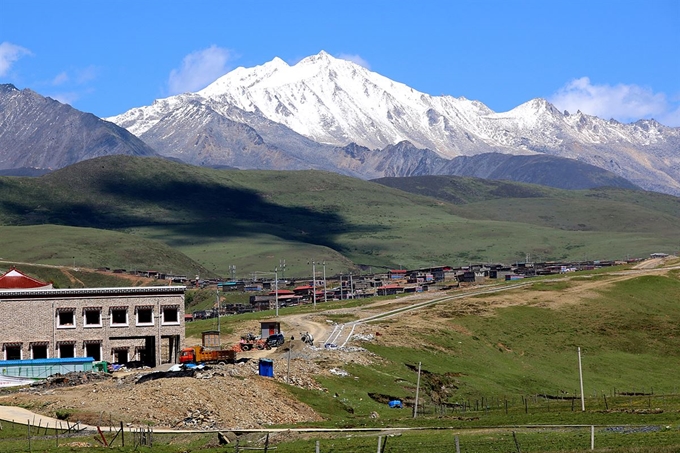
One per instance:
(231, 396)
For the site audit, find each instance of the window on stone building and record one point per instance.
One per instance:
(170, 315)
(94, 350)
(67, 350)
(12, 351)
(120, 355)
(119, 316)
(66, 318)
(145, 316)
(39, 351)
(92, 317)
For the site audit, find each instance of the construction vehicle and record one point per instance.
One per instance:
(307, 338)
(250, 341)
(198, 354)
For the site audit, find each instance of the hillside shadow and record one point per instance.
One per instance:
(188, 209)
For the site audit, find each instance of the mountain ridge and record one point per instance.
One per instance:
(42, 133)
(335, 102)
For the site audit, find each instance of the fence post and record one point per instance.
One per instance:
(317, 447)
(122, 434)
(514, 436)
(415, 406)
(592, 437)
(458, 443)
(28, 434)
(379, 443)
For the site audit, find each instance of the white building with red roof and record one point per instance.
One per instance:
(15, 279)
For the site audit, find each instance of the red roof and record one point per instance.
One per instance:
(282, 292)
(398, 271)
(302, 288)
(14, 279)
(390, 287)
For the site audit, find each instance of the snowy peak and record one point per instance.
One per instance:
(331, 101)
(336, 101)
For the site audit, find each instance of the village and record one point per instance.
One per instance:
(72, 328)
(97, 342)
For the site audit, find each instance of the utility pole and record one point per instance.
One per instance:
(325, 299)
(314, 282)
(415, 408)
(276, 289)
(219, 337)
(282, 266)
(340, 285)
(580, 374)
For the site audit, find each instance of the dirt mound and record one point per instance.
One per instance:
(230, 396)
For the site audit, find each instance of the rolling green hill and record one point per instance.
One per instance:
(253, 219)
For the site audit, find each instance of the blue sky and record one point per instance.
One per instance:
(614, 59)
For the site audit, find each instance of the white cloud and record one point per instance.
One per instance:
(9, 53)
(199, 69)
(622, 102)
(355, 59)
(67, 97)
(61, 78)
(76, 77)
(86, 75)
(671, 118)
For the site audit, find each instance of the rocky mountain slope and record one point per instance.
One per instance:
(40, 133)
(299, 116)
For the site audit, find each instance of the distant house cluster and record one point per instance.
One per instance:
(158, 275)
(266, 295)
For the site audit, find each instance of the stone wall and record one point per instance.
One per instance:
(56, 319)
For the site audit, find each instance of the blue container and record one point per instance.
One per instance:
(267, 367)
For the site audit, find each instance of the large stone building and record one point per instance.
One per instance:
(117, 325)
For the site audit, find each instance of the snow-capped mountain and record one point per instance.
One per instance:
(298, 116)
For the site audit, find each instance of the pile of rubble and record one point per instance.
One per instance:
(71, 379)
(224, 396)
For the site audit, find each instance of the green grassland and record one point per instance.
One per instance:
(628, 335)
(92, 248)
(485, 366)
(253, 219)
(489, 370)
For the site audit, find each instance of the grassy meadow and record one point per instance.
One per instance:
(254, 219)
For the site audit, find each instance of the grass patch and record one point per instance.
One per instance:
(551, 286)
(341, 318)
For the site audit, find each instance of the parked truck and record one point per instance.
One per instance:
(199, 354)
